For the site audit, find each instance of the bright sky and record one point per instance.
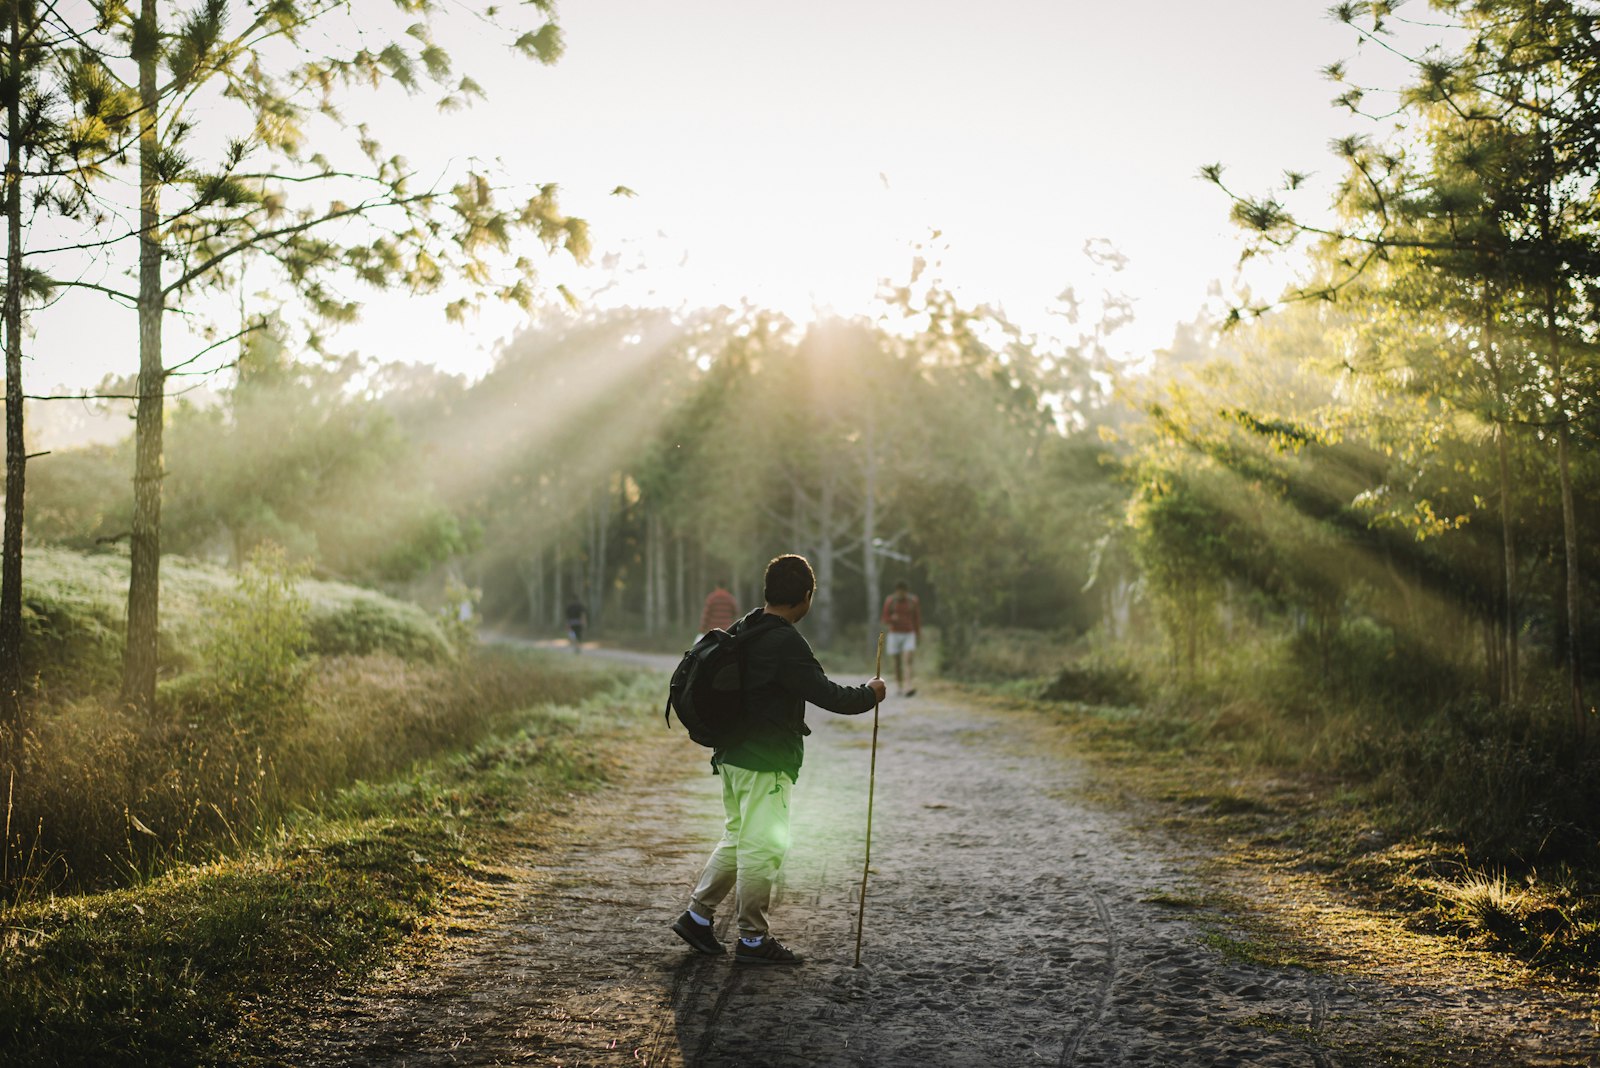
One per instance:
(791, 154)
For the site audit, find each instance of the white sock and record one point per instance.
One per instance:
(697, 918)
(753, 942)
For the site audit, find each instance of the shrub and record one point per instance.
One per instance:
(70, 650)
(1095, 684)
(254, 650)
(366, 625)
(1000, 654)
(75, 606)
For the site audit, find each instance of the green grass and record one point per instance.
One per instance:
(182, 969)
(1263, 951)
(1175, 899)
(75, 608)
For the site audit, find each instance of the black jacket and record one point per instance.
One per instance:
(780, 675)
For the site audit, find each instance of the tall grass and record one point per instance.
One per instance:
(253, 720)
(1361, 705)
(202, 963)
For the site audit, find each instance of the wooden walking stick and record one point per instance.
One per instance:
(872, 782)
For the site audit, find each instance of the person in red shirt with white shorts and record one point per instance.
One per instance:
(902, 612)
(720, 611)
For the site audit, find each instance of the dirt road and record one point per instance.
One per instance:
(1009, 921)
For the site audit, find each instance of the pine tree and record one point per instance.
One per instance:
(51, 157)
(1494, 198)
(270, 73)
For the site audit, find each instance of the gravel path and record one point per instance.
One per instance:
(1008, 922)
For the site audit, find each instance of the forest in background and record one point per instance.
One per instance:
(1250, 518)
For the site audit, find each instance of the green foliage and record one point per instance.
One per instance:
(256, 642)
(1092, 683)
(363, 625)
(78, 496)
(1183, 544)
(970, 561)
(298, 458)
(271, 77)
(1467, 250)
(293, 457)
(75, 605)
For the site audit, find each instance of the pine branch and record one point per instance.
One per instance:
(176, 369)
(85, 246)
(87, 396)
(207, 373)
(288, 231)
(115, 294)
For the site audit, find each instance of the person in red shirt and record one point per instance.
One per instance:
(902, 612)
(720, 611)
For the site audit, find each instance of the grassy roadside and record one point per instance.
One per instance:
(183, 969)
(1352, 876)
(1395, 794)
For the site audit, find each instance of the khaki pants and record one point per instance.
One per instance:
(754, 841)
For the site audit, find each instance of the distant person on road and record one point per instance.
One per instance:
(902, 613)
(577, 619)
(720, 611)
(780, 675)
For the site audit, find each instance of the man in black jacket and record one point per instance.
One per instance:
(779, 676)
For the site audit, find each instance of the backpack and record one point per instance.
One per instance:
(707, 689)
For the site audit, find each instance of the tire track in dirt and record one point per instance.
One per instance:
(708, 1036)
(1008, 922)
(687, 980)
(1069, 1055)
(1318, 1015)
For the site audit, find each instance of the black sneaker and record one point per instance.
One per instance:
(698, 935)
(769, 951)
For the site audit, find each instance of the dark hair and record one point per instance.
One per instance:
(902, 585)
(789, 579)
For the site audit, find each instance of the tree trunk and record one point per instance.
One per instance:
(823, 607)
(1509, 593)
(1569, 520)
(1494, 649)
(1569, 524)
(1569, 539)
(1192, 645)
(597, 557)
(652, 576)
(531, 569)
(558, 604)
(663, 574)
(1508, 617)
(680, 618)
(871, 569)
(144, 583)
(16, 447)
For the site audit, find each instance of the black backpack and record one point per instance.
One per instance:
(707, 689)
